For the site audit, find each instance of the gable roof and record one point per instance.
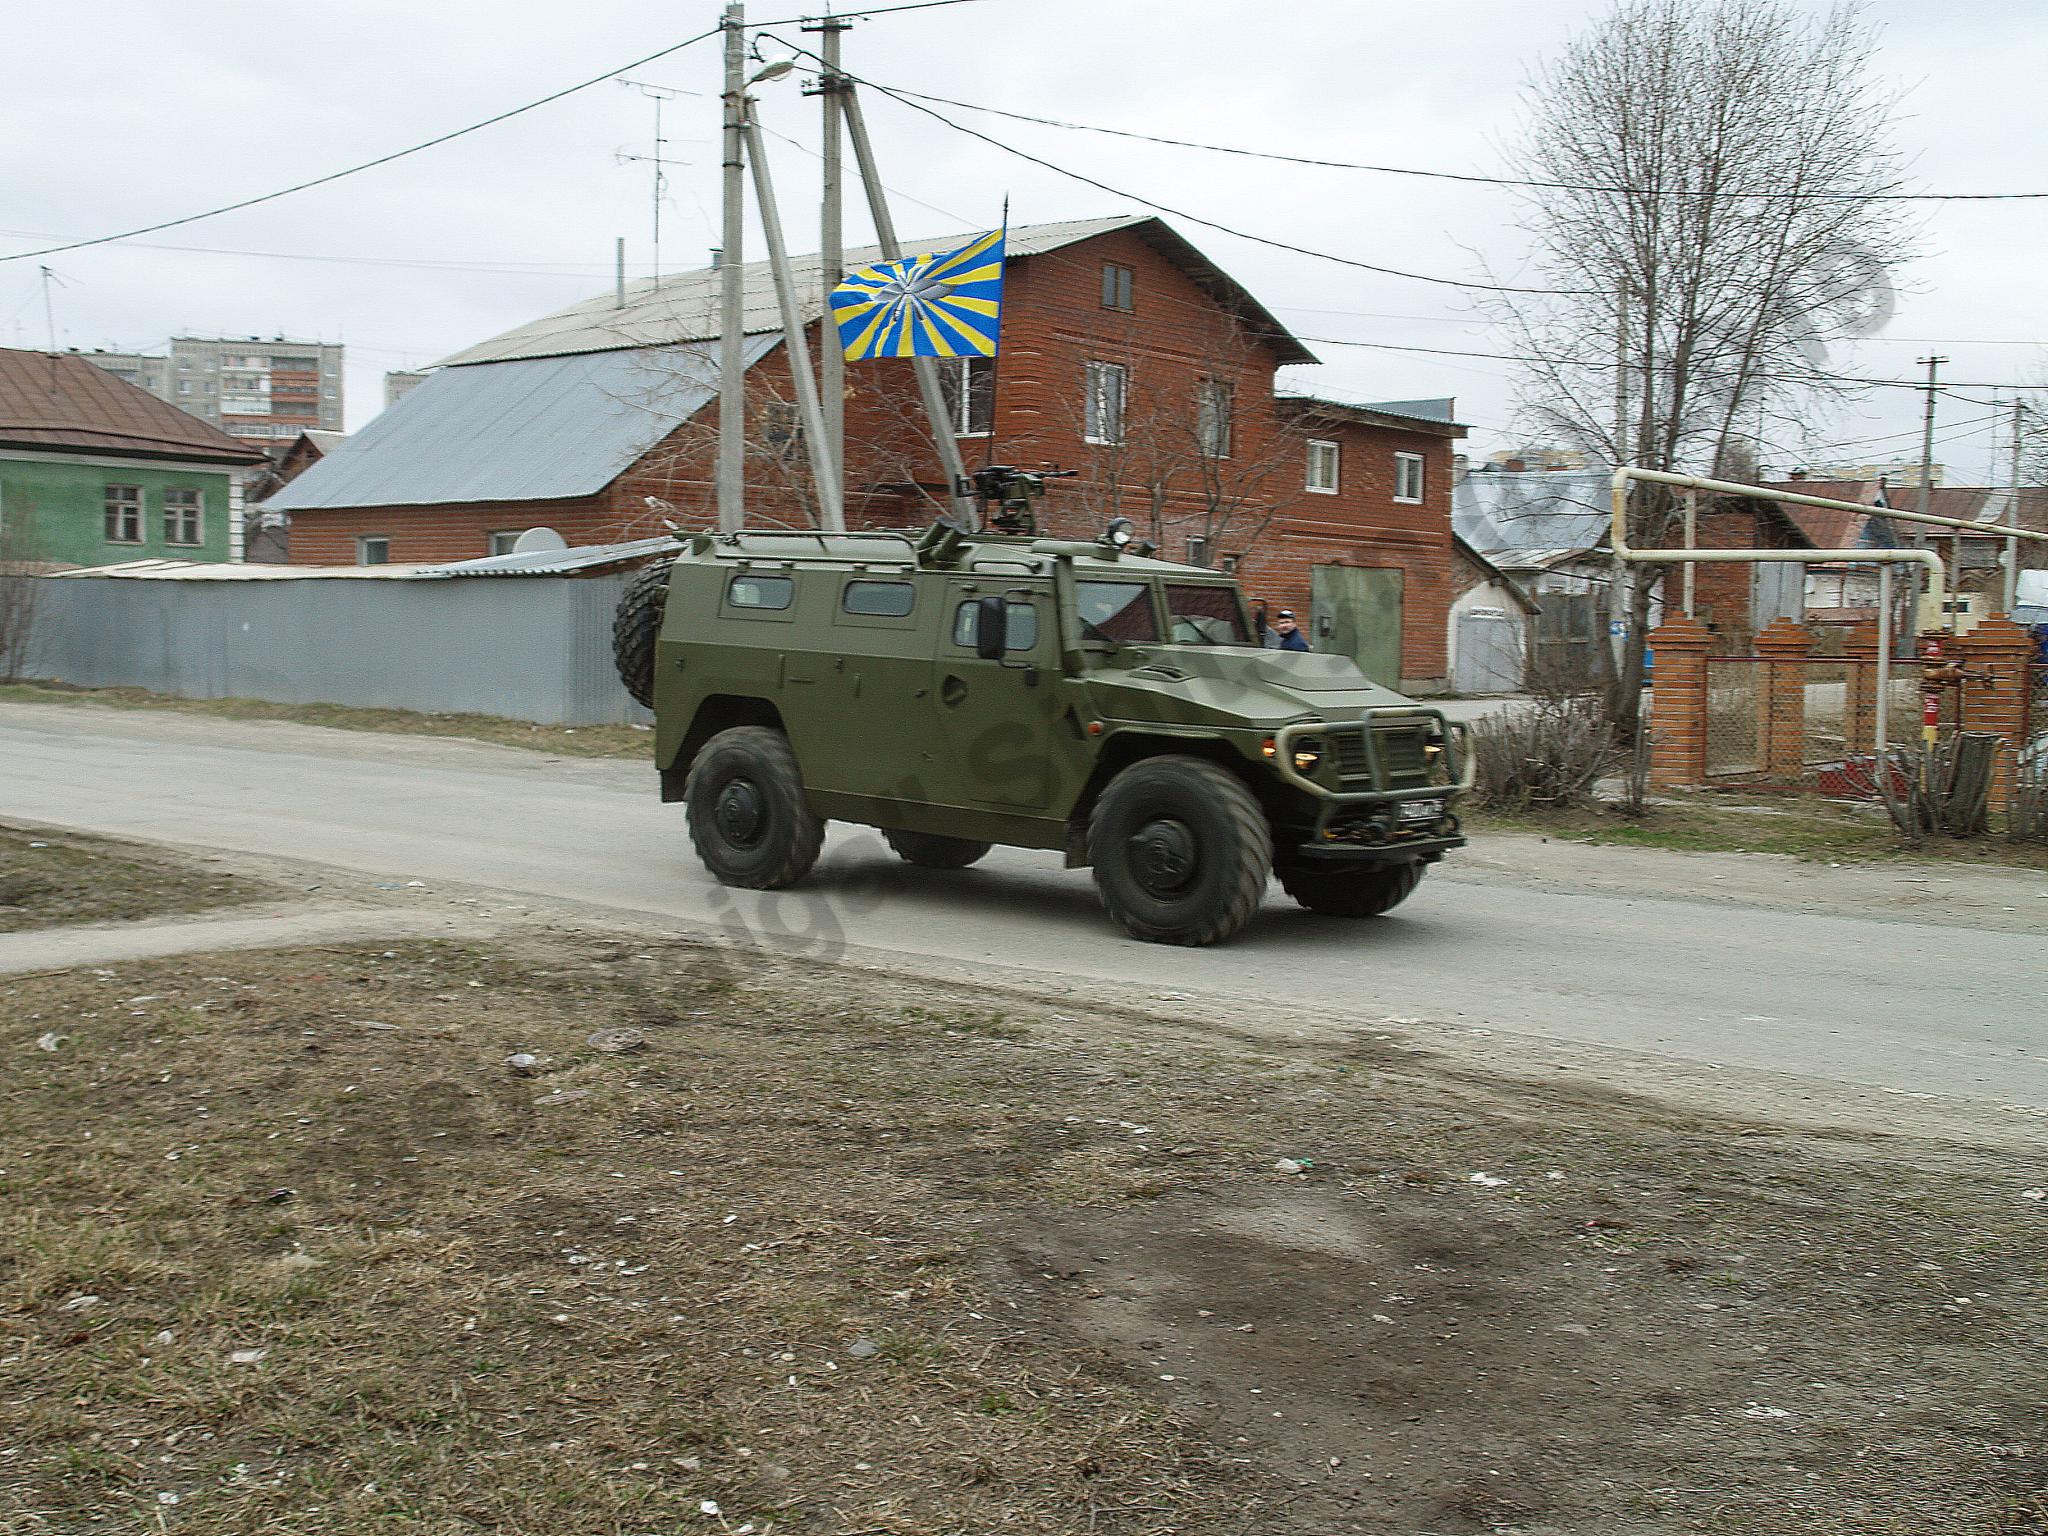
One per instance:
(530, 429)
(684, 306)
(57, 400)
(1435, 416)
(1836, 528)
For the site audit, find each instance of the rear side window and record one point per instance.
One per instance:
(760, 591)
(884, 599)
(1022, 626)
(1117, 610)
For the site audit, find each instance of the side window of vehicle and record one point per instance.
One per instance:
(771, 592)
(1023, 626)
(880, 599)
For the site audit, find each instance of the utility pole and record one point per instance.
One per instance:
(824, 468)
(2012, 546)
(1618, 582)
(619, 286)
(926, 368)
(732, 361)
(831, 240)
(1933, 367)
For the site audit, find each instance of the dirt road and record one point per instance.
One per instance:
(1890, 980)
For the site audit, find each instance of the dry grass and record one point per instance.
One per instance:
(563, 740)
(48, 878)
(844, 1256)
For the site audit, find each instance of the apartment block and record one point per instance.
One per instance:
(256, 390)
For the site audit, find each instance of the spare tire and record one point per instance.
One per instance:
(635, 625)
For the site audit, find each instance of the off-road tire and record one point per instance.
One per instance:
(1181, 851)
(635, 623)
(1351, 893)
(744, 799)
(929, 850)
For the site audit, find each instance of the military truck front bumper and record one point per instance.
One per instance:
(1339, 833)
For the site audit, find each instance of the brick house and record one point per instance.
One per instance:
(1127, 357)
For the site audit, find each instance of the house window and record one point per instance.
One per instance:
(502, 543)
(373, 551)
(782, 431)
(1322, 466)
(1108, 384)
(970, 391)
(184, 520)
(1198, 549)
(1116, 287)
(1230, 564)
(1407, 477)
(1212, 417)
(123, 506)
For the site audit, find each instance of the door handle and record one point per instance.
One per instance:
(952, 691)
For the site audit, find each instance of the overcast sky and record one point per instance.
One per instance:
(120, 114)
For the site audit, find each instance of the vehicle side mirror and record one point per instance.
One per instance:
(991, 628)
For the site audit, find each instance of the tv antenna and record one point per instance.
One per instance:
(657, 94)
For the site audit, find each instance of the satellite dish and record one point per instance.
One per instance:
(538, 541)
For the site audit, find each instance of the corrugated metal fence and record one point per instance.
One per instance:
(528, 647)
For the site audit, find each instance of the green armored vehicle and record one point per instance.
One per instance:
(963, 690)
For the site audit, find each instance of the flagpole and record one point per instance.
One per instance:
(926, 368)
(995, 362)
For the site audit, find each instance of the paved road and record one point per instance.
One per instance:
(1544, 940)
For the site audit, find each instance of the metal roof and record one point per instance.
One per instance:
(555, 562)
(1543, 515)
(535, 562)
(684, 306)
(531, 429)
(60, 401)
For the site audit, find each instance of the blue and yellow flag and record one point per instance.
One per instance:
(943, 305)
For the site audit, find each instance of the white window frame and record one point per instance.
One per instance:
(1099, 399)
(1404, 463)
(130, 514)
(505, 536)
(198, 513)
(960, 396)
(1335, 454)
(363, 543)
(1215, 405)
(1198, 549)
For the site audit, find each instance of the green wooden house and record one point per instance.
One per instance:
(95, 471)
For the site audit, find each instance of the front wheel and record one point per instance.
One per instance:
(1181, 851)
(931, 850)
(748, 820)
(1351, 892)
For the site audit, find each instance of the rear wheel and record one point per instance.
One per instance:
(1181, 851)
(745, 802)
(1351, 893)
(928, 850)
(635, 624)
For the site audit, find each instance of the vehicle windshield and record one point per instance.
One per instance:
(1205, 614)
(1116, 610)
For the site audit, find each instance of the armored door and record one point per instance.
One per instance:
(999, 718)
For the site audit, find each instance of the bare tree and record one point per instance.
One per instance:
(22, 568)
(1713, 216)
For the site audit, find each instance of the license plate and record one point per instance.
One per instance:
(1419, 810)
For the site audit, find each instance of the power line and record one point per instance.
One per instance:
(507, 267)
(399, 154)
(1181, 213)
(1474, 177)
(1607, 364)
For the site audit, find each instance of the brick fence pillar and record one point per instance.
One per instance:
(2003, 649)
(1678, 703)
(1781, 648)
(1859, 693)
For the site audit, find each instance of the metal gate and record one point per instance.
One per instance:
(1489, 652)
(1357, 613)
